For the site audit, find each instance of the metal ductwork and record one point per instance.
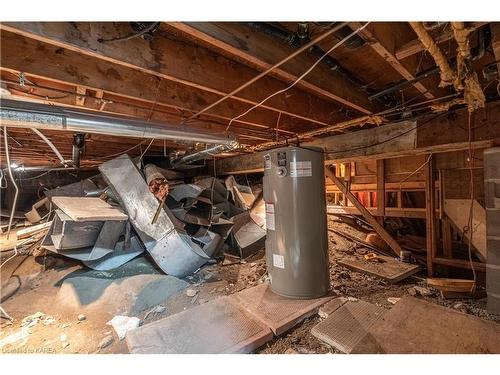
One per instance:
(22, 114)
(204, 154)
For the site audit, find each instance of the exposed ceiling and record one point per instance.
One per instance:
(177, 69)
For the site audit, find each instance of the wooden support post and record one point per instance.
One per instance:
(447, 237)
(430, 224)
(380, 191)
(347, 178)
(330, 173)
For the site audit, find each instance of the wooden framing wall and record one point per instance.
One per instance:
(439, 176)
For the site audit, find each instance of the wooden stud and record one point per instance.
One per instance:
(430, 216)
(446, 233)
(380, 190)
(495, 43)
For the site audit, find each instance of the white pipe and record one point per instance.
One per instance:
(51, 145)
(9, 168)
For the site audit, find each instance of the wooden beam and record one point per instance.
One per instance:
(447, 237)
(460, 263)
(380, 189)
(330, 173)
(381, 38)
(495, 43)
(409, 213)
(174, 61)
(430, 220)
(433, 135)
(415, 46)
(262, 51)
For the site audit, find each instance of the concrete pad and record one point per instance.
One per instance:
(414, 326)
(218, 326)
(277, 312)
(347, 325)
(328, 308)
(127, 290)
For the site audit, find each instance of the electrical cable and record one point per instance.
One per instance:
(11, 257)
(121, 152)
(34, 177)
(415, 171)
(299, 78)
(51, 145)
(9, 168)
(131, 35)
(470, 228)
(146, 150)
(268, 70)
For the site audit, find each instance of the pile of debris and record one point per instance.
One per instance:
(115, 216)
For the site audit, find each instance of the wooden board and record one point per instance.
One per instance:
(417, 326)
(88, 209)
(457, 211)
(451, 285)
(390, 270)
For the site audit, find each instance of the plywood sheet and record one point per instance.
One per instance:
(458, 212)
(417, 326)
(346, 326)
(218, 326)
(278, 313)
(88, 209)
(390, 269)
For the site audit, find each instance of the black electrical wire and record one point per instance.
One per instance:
(147, 29)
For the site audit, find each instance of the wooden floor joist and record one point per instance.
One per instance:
(330, 173)
(385, 50)
(172, 60)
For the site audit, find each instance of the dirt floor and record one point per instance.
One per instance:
(61, 326)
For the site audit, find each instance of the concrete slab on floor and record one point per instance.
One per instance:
(417, 326)
(128, 290)
(218, 326)
(348, 324)
(278, 313)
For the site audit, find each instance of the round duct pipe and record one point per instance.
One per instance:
(22, 114)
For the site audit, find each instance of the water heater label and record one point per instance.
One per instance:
(278, 261)
(267, 161)
(300, 169)
(270, 216)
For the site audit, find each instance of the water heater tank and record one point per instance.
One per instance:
(297, 238)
